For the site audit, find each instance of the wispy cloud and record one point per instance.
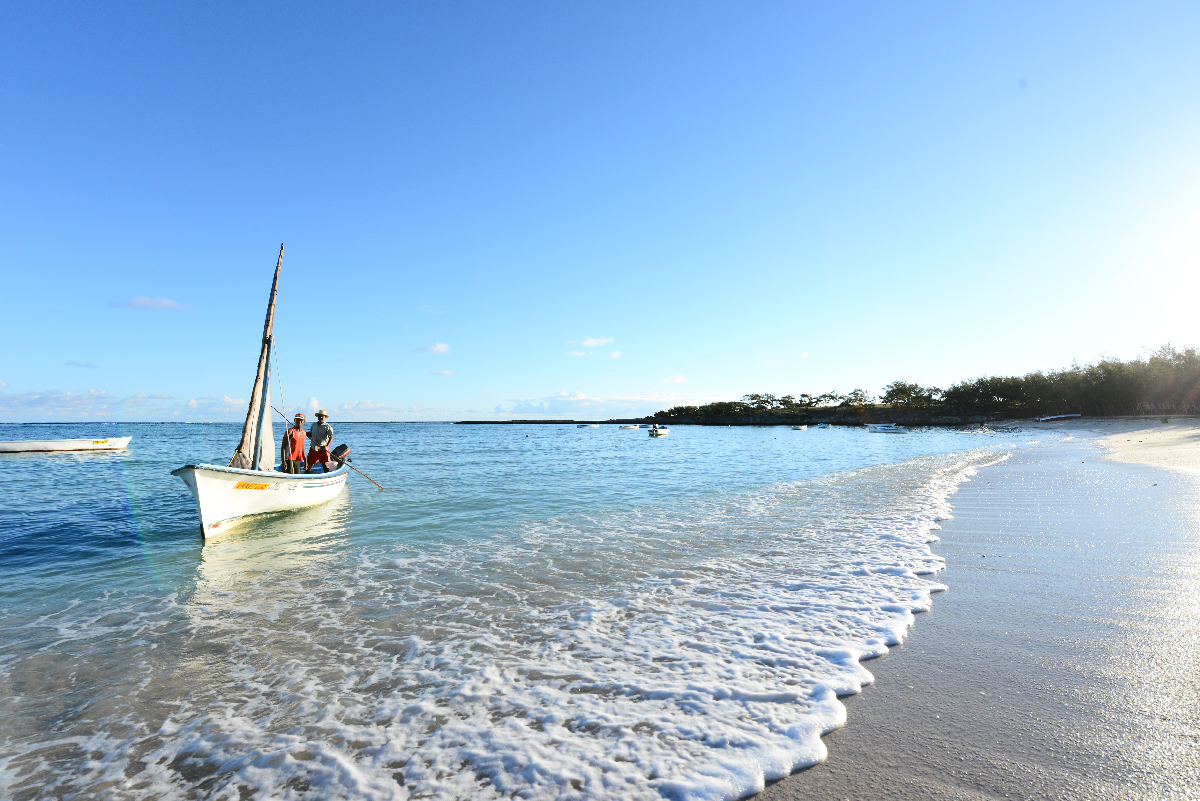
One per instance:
(143, 302)
(616, 354)
(88, 365)
(437, 372)
(437, 347)
(675, 379)
(573, 405)
(596, 342)
(577, 353)
(99, 404)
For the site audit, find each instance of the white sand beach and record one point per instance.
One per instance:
(1064, 660)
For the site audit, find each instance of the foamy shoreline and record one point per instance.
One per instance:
(1062, 661)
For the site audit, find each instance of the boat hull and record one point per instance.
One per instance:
(48, 445)
(660, 432)
(227, 497)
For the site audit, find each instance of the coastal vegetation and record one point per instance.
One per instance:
(1167, 381)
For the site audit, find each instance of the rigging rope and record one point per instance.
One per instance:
(279, 378)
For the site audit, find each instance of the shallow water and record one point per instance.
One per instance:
(572, 613)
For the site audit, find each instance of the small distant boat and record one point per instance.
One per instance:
(634, 428)
(799, 428)
(659, 432)
(646, 425)
(1057, 417)
(824, 425)
(48, 445)
(886, 428)
(249, 485)
(588, 425)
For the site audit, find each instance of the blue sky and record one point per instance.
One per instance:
(567, 210)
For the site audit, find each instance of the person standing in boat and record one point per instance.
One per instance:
(291, 451)
(321, 435)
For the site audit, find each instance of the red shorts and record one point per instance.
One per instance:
(318, 455)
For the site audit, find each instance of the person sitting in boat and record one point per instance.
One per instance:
(291, 451)
(321, 435)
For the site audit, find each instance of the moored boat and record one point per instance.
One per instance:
(799, 428)
(250, 485)
(588, 425)
(886, 428)
(629, 428)
(824, 425)
(660, 432)
(50, 445)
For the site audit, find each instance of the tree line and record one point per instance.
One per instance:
(1167, 381)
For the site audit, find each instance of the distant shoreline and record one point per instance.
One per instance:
(851, 419)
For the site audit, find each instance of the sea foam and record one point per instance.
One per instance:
(691, 651)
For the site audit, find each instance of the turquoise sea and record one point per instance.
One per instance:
(527, 611)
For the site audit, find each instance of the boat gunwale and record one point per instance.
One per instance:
(273, 474)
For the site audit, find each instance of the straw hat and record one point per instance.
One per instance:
(322, 413)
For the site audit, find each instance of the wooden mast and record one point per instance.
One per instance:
(242, 457)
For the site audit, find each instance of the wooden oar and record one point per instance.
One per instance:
(347, 462)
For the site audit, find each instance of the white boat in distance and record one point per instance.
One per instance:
(249, 485)
(660, 432)
(886, 428)
(48, 445)
(824, 425)
(799, 428)
(631, 428)
(588, 425)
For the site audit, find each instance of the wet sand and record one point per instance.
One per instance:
(1064, 660)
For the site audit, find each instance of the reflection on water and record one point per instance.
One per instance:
(569, 613)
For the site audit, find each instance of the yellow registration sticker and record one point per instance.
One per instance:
(99, 441)
(248, 485)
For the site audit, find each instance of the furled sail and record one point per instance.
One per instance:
(264, 437)
(247, 455)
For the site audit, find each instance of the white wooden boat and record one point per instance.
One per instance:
(886, 428)
(229, 496)
(629, 428)
(47, 445)
(659, 432)
(799, 428)
(824, 425)
(588, 425)
(249, 485)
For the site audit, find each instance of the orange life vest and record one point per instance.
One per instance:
(294, 440)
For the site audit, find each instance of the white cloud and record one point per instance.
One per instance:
(99, 404)
(313, 404)
(437, 347)
(596, 342)
(577, 353)
(675, 379)
(89, 365)
(437, 372)
(616, 354)
(576, 405)
(143, 302)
